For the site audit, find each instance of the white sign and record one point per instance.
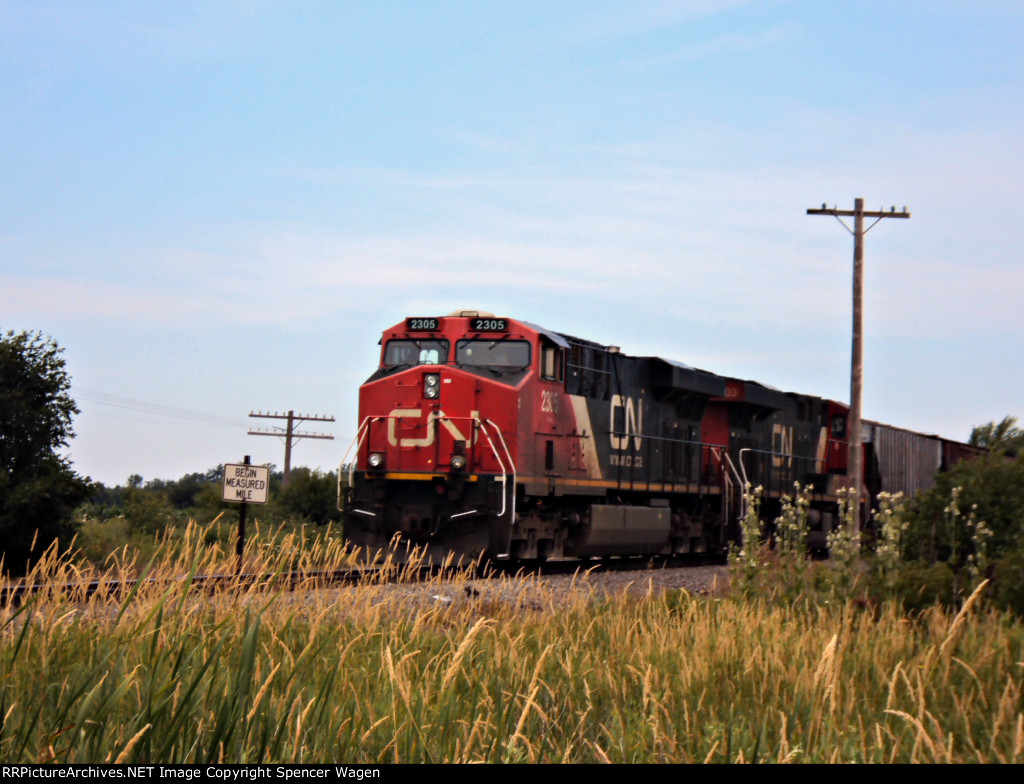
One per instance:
(247, 483)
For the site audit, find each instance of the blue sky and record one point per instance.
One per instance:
(216, 207)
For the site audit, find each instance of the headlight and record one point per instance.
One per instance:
(458, 462)
(431, 386)
(376, 460)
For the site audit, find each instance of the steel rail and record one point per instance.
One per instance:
(16, 593)
(386, 573)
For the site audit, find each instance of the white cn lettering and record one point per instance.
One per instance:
(428, 440)
(633, 420)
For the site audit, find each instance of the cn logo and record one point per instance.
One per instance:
(428, 440)
(627, 419)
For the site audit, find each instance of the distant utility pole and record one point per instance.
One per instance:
(858, 213)
(290, 434)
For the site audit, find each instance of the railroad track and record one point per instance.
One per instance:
(16, 594)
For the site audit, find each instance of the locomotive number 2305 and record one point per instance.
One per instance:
(548, 402)
(422, 324)
(489, 325)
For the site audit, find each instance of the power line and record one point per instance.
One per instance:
(156, 409)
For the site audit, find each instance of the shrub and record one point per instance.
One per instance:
(919, 585)
(1008, 582)
(989, 488)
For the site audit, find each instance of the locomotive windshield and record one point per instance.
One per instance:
(502, 354)
(415, 352)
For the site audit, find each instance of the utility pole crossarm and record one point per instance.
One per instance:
(296, 434)
(297, 417)
(890, 213)
(289, 433)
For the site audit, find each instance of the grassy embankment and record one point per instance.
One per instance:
(369, 674)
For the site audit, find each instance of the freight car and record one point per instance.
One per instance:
(484, 434)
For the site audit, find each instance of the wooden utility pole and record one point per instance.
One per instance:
(855, 469)
(290, 434)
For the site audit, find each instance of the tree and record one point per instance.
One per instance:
(1004, 437)
(312, 495)
(38, 488)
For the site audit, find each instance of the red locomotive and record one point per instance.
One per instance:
(480, 434)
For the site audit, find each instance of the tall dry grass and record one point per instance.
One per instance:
(517, 673)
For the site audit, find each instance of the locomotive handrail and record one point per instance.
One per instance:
(357, 442)
(512, 465)
(732, 466)
(364, 429)
(721, 453)
(716, 452)
(772, 454)
(743, 469)
(712, 448)
(725, 461)
(735, 473)
(666, 438)
(501, 463)
(360, 434)
(777, 454)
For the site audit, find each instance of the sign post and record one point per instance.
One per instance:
(245, 484)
